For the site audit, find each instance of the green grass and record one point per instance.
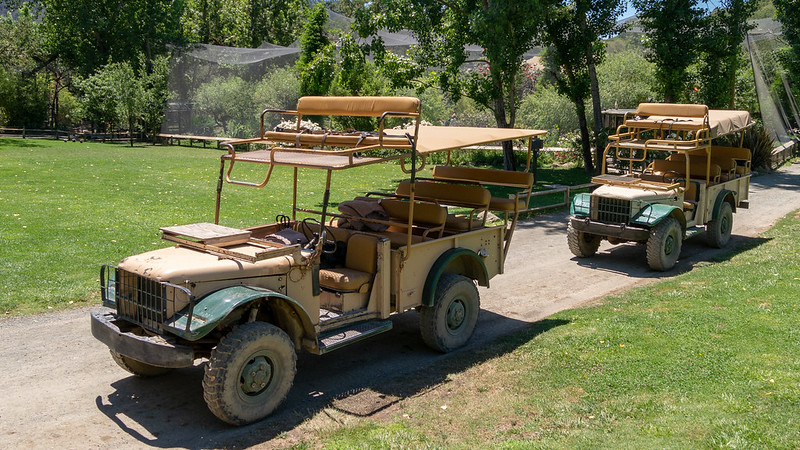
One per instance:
(708, 359)
(69, 207)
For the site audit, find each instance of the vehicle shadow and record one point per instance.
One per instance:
(630, 258)
(361, 380)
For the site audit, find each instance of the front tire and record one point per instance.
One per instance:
(581, 244)
(718, 232)
(449, 323)
(249, 373)
(664, 244)
(138, 368)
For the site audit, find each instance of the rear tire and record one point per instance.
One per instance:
(138, 368)
(718, 232)
(581, 244)
(449, 323)
(249, 373)
(664, 244)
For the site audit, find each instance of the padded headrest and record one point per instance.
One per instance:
(672, 110)
(356, 106)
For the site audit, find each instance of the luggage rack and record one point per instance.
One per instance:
(214, 239)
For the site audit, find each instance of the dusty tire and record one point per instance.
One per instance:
(664, 244)
(249, 373)
(138, 368)
(582, 245)
(449, 323)
(718, 232)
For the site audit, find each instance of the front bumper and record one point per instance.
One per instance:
(619, 231)
(153, 350)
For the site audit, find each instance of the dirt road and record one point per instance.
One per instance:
(61, 388)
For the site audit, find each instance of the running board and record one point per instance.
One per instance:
(344, 336)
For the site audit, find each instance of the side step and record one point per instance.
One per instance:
(338, 338)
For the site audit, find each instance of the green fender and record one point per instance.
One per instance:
(458, 260)
(651, 215)
(723, 196)
(216, 306)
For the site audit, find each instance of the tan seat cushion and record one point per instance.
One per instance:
(344, 279)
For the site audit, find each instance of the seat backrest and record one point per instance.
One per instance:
(726, 163)
(485, 176)
(449, 194)
(357, 106)
(362, 253)
(424, 213)
(661, 166)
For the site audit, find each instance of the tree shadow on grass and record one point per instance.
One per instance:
(12, 143)
(360, 380)
(630, 258)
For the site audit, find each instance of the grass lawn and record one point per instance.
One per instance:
(708, 359)
(69, 207)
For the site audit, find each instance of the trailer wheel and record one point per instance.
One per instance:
(664, 244)
(449, 323)
(138, 368)
(581, 244)
(249, 373)
(718, 232)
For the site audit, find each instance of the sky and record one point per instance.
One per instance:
(631, 11)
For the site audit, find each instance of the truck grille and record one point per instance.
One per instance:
(141, 300)
(610, 210)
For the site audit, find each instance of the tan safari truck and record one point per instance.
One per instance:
(669, 183)
(248, 300)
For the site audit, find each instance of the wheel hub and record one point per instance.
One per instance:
(669, 244)
(256, 375)
(455, 315)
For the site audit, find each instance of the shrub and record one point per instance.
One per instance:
(625, 80)
(546, 109)
(279, 89)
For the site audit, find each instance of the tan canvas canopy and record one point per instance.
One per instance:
(436, 139)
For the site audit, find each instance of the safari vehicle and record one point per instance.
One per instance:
(669, 182)
(249, 299)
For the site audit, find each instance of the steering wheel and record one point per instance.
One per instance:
(665, 178)
(329, 246)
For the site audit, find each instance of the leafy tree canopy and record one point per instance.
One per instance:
(673, 29)
(503, 30)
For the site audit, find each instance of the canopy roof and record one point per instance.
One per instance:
(436, 139)
(430, 139)
(720, 122)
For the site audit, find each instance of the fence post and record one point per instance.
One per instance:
(23, 132)
(536, 145)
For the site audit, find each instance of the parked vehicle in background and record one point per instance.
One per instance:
(668, 183)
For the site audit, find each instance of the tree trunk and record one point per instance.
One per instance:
(509, 160)
(596, 112)
(580, 109)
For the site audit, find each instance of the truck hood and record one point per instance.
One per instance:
(635, 193)
(179, 265)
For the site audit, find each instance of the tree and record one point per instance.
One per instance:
(567, 60)
(787, 12)
(724, 32)
(316, 63)
(87, 34)
(573, 31)
(243, 23)
(673, 29)
(503, 29)
(24, 92)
